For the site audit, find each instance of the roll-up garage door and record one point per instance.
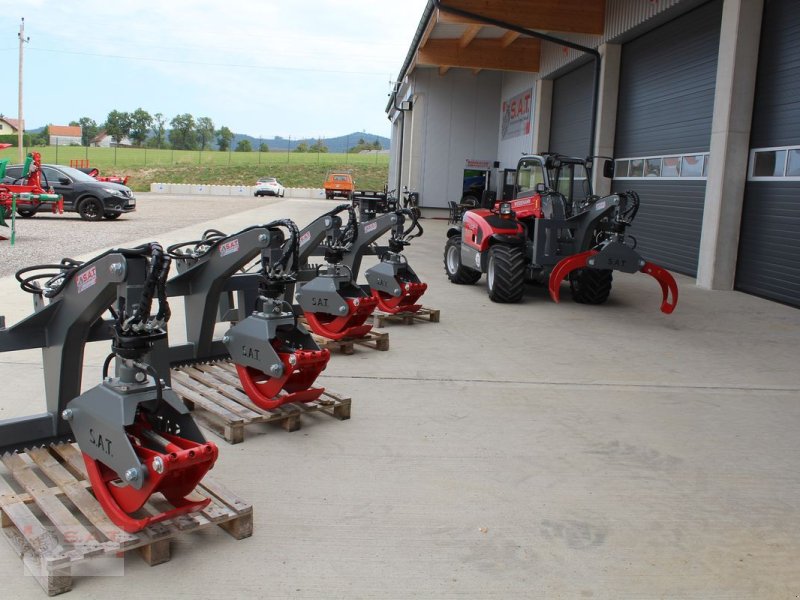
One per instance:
(769, 246)
(666, 102)
(571, 117)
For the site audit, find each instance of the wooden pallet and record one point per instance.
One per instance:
(54, 523)
(430, 315)
(376, 340)
(213, 391)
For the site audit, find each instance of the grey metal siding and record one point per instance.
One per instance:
(769, 243)
(666, 103)
(666, 89)
(670, 219)
(776, 112)
(571, 117)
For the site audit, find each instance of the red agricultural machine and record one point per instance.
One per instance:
(27, 198)
(554, 229)
(83, 165)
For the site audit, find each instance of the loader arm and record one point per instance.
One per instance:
(367, 233)
(61, 328)
(204, 277)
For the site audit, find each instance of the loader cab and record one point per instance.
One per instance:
(531, 175)
(570, 177)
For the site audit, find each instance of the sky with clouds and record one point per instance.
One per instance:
(300, 68)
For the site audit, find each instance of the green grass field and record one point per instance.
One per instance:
(146, 166)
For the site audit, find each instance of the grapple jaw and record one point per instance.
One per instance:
(276, 359)
(615, 256)
(336, 308)
(395, 286)
(299, 370)
(135, 445)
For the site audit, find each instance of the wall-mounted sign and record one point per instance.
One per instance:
(517, 115)
(480, 165)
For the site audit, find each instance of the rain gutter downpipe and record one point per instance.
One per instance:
(542, 36)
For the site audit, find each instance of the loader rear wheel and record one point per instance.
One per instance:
(590, 286)
(505, 273)
(456, 272)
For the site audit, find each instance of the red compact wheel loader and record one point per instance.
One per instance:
(555, 228)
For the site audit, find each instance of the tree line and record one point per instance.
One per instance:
(185, 133)
(150, 131)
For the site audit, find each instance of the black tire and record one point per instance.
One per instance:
(112, 216)
(27, 212)
(90, 209)
(505, 273)
(590, 286)
(456, 272)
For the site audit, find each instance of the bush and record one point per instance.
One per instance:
(12, 139)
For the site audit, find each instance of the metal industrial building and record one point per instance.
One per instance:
(698, 102)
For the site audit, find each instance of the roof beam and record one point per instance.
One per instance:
(469, 35)
(522, 55)
(508, 38)
(572, 16)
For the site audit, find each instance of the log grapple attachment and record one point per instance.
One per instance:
(276, 359)
(136, 436)
(395, 286)
(615, 255)
(334, 306)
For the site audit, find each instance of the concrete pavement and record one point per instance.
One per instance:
(509, 451)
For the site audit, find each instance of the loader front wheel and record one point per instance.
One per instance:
(505, 273)
(590, 286)
(456, 272)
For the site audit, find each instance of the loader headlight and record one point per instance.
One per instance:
(505, 209)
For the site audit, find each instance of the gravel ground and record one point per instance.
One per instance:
(47, 238)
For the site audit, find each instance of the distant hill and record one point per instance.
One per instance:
(276, 144)
(334, 144)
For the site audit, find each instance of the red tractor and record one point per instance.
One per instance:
(554, 228)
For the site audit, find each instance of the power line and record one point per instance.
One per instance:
(206, 64)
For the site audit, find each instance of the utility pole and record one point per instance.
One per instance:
(22, 40)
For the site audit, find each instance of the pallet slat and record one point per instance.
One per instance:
(375, 340)
(52, 542)
(210, 390)
(423, 315)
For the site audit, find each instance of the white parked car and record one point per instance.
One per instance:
(269, 186)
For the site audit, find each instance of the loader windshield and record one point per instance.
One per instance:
(529, 173)
(571, 180)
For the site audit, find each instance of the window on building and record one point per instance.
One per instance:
(769, 163)
(671, 166)
(692, 165)
(793, 163)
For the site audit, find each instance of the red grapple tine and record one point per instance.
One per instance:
(667, 283)
(295, 383)
(405, 302)
(183, 468)
(562, 270)
(349, 325)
